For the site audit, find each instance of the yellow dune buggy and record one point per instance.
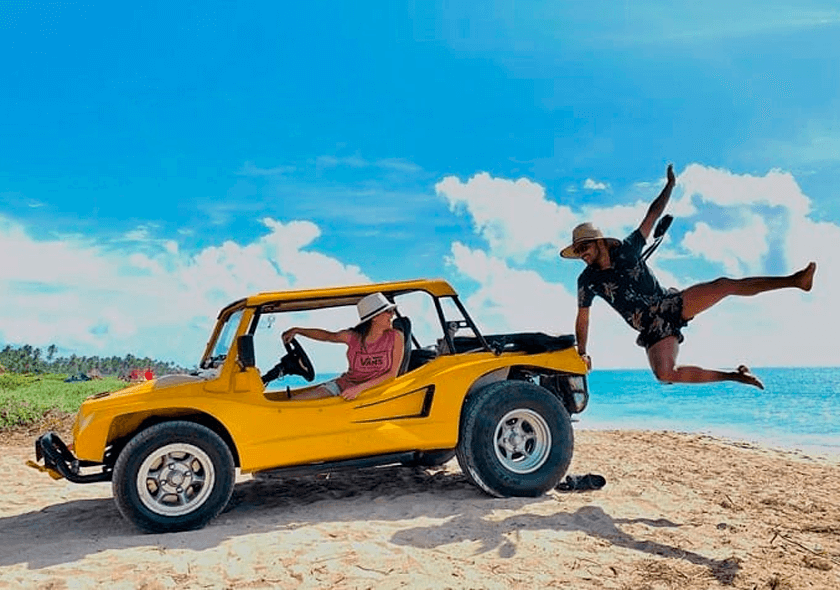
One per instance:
(171, 446)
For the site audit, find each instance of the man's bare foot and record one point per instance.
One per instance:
(805, 277)
(744, 376)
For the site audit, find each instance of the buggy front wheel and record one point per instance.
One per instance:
(173, 476)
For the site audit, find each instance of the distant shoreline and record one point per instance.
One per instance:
(828, 452)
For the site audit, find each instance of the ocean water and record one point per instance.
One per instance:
(798, 409)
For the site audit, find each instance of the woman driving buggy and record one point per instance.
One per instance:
(374, 350)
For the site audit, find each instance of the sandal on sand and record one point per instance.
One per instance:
(749, 378)
(582, 483)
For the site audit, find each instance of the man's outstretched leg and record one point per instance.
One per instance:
(699, 298)
(663, 361)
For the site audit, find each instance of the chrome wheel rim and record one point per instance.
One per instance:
(522, 441)
(176, 479)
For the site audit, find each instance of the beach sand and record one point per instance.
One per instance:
(679, 511)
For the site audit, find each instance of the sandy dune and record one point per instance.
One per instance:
(679, 511)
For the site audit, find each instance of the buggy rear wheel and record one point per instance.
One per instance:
(516, 439)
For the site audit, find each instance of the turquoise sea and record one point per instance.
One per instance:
(798, 409)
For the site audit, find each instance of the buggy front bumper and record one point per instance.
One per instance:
(60, 461)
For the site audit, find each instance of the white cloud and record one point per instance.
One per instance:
(514, 217)
(723, 188)
(140, 234)
(740, 250)
(618, 220)
(517, 219)
(594, 185)
(158, 301)
(509, 299)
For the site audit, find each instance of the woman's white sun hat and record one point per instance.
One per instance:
(585, 232)
(372, 305)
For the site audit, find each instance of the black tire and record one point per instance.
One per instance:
(430, 458)
(516, 439)
(174, 476)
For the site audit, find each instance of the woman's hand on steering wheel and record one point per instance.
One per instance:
(289, 334)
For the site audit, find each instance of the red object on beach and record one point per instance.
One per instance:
(149, 375)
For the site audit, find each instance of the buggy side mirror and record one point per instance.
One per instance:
(245, 351)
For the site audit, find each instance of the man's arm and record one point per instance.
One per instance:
(582, 334)
(658, 206)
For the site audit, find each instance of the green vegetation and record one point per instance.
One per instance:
(24, 399)
(33, 384)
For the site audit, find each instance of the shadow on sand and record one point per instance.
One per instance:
(79, 528)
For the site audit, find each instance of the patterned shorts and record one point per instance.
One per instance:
(666, 320)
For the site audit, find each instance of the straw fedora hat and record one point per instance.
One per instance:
(585, 232)
(372, 305)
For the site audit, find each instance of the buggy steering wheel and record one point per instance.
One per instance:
(297, 361)
(294, 362)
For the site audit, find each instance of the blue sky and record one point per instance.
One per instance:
(158, 160)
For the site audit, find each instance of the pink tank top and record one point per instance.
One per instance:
(369, 361)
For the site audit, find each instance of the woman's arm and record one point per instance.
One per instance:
(316, 334)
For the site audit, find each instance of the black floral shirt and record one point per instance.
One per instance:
(628, 286)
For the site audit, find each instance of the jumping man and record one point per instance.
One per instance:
(616, 272)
